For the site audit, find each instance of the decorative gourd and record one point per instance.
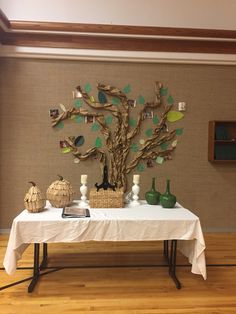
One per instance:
(60, 193)
(34, 201)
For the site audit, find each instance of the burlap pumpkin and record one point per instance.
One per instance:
(60, 193)
(34, 201)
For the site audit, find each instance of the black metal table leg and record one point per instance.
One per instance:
(172, 263)
(166, 250)
(45, 256)
(36, 268)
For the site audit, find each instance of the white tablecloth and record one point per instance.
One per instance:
(142, 223)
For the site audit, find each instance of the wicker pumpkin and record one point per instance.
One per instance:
(60, 193)
(34, 201)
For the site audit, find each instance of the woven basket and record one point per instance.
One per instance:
(60, 193)
(35, 206)
(106, 198)
(34, 201)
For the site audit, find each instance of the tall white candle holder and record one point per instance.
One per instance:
(83, 190)
(135, 191)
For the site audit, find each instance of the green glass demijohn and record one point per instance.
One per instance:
(153, 197)
(167, 200)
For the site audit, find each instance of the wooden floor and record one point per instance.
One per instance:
(125, 290)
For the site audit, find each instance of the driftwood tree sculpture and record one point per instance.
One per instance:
(119, 141)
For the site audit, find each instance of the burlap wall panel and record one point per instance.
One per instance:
(30, 147)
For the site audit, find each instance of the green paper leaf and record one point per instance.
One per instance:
(141, 100)
(79, 119)
(92, 99)
(95, 127)
(115, 101)
(170, 100)
(155, 119)
(87, 88)
(108, 120)
(78, 103)
(127, 89)
(98, 142)
(134, 147)
(132, 122)
(163, 91)
(149, 132)
(102, 97)
(66, 150)
(173, 116)
(140, 167)
(164, 146)
(60, 125)
(159, 160)
(79, 141)
(179, 131)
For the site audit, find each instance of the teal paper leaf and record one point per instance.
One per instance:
(170, 100)
(95, 127)
(149, 132)
(134, 147)
(132, 122)
(179, 131)
(98, 142)
(127, 89)
(79, 141)
(141, 100)
(140, 167)
(79, 119)
(155, 119)
(164, 146)
(102, 97)
(163, 91)
(87, 88)
(78, 103)
(60, 125)
(108, 120)
(115, 101)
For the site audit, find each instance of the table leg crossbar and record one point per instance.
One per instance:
(169, 252)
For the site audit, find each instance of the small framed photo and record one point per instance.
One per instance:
(132, 103)
(64, 144)
(148, 114)
(53, 113)
(89, 119)
(149, 163)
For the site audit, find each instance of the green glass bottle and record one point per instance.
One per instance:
(167, 200)
(153, 196)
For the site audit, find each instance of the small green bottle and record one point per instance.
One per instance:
(153, 197)
(167, 200)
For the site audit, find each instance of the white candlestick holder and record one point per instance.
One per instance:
(135, 196)
(83, 199)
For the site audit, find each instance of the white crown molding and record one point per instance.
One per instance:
(111, 55)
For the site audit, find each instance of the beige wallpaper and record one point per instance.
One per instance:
(30, 147)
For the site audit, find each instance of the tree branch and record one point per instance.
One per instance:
(74, 111)
(148, 105)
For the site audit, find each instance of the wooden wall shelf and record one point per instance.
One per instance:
(222, 141)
